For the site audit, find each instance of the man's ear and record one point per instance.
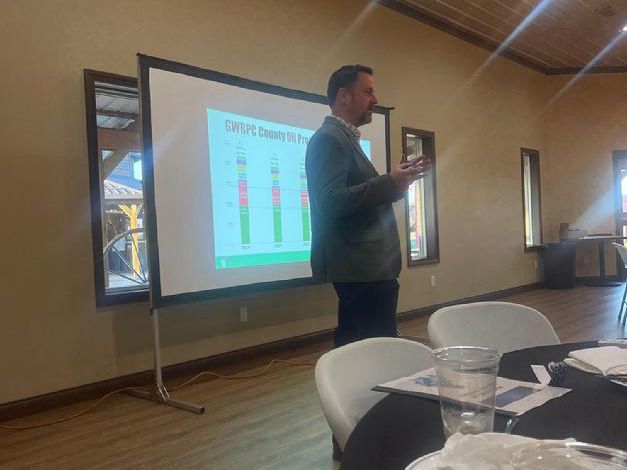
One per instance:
(342, 96)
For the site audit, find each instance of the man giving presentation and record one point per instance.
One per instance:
(355, 242)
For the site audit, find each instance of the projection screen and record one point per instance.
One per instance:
(226, 206)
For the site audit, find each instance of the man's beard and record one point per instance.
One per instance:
(365, 118)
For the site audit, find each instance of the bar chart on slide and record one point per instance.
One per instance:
(259, 190)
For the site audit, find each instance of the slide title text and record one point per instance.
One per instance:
(245, 128)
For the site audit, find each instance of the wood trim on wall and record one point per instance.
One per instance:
(576, 70)
(419, 312)
(226, 363)
(91, 77)
(535, 153)
(431, 199)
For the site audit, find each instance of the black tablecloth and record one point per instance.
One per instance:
(401, 428)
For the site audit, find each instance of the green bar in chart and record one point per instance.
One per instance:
(304, 203)
(276, 199)
(278, 230)
(242, 188)
(241, 261)
(306, 229)
(244, 221)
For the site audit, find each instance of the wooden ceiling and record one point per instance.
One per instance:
(550, 36)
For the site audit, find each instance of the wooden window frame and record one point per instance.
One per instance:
(103, 299)
(431, 216)
(534, 160)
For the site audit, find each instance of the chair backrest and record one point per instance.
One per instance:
(345, 376)
(622, 251)
(502, 326)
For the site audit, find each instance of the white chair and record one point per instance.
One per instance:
(502, 326)
(345, 376)
(622, 252)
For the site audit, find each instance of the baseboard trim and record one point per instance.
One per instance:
(609, 277)
(420, 312)
(227, 363)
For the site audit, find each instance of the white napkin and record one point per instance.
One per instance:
(597, 360)
(488, 451)
(482, 451)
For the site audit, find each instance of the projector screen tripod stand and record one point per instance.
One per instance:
(159, 393)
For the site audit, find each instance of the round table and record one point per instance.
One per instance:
(400, 428)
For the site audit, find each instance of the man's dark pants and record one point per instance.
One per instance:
(365, 310)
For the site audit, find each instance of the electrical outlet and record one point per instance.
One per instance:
(243, 314)
(535, 264)
(586, 260)
(433, 280)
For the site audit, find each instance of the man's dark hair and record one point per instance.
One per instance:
(343, 78)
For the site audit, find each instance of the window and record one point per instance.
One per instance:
(620, 193)
(422, 221)
(115, 173)
(530, 163)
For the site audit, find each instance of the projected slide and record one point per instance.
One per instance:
(259, 191)
(226, 189)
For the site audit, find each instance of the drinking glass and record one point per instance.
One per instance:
(467, 384)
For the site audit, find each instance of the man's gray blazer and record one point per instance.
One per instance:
(354, 232)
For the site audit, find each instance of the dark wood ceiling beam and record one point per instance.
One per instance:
(548, 32)
(610, 25)
(442, 25)
(557, 13)
(512, 52)
(576, 70)
(536, 29)
(518, 44)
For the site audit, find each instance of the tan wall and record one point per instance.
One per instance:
(53, 337)
(586, 122)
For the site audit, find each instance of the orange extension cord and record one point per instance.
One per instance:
(265, 370)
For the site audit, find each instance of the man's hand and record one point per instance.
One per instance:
(422, 164)
(408, 172)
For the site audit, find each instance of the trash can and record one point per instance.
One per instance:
(559, 265)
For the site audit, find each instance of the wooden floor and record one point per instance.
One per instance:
(270, 422)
